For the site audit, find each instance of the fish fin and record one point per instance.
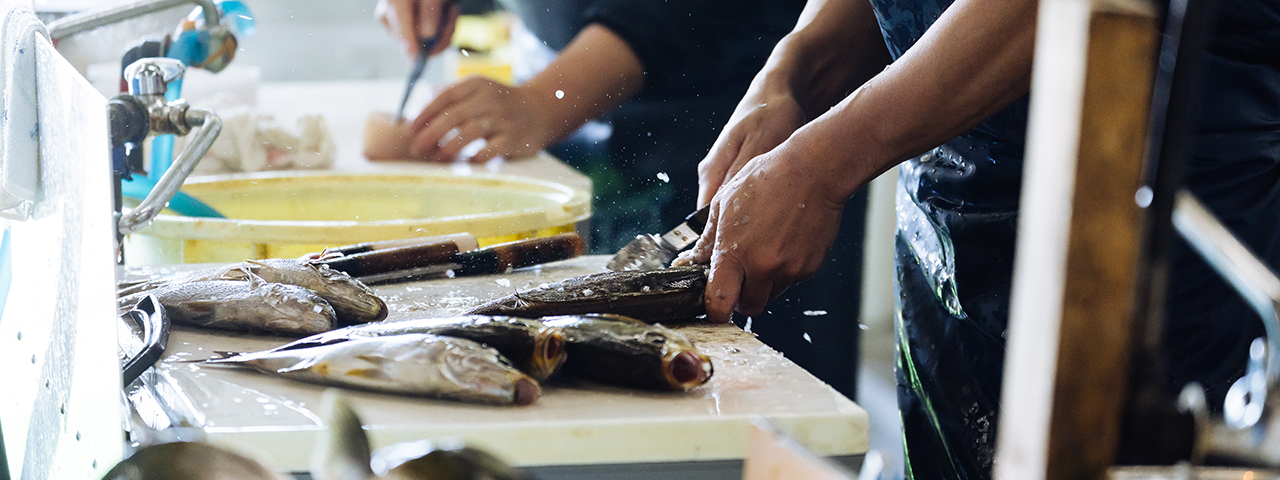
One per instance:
(343, 450)
(374, 359)
(369, 373)
(297, 367)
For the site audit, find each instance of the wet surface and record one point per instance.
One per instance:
(574, 422)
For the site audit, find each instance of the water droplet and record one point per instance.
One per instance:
(559, 93)
(587, 291)
(806, 337)
(502, 281)
(735, 246)
(863, 326)
(33, 359)
(450, 273)
(664, 177)
(77, 436)
(19, 336)
(801, 205)
(814, 313)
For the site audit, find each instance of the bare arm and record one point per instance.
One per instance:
(772, 222)
(596, 72)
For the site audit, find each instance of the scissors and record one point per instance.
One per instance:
(425, 45)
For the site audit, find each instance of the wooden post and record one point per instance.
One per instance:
(1072, 303)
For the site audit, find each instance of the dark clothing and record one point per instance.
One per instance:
(699, 58)
(957, 219)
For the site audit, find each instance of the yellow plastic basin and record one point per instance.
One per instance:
(289, 214)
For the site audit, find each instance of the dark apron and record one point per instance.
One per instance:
(957, 212)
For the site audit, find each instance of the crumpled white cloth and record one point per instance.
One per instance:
(254, 142)
(19, 125)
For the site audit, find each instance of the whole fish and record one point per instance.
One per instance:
(244, 306)
(535, 348)
(613, 350)
(353, 301)
(189, 460)
(412, 364)
(667, 295)
(342, 453)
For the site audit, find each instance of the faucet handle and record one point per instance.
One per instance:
(151, 76)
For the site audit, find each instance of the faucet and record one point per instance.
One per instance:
(1249, 430)
(143, 112)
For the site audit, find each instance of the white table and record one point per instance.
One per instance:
(574, 423)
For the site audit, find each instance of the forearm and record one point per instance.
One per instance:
(956, 76)
(595, 73)
(835, 47)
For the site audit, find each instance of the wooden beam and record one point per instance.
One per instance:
(1072, 303)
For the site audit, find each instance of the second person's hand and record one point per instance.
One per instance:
(412, 20)
(762, 120)
(509, 119)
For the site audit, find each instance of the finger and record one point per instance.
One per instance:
(725, 277)
(711, 177)
(404, 16)
(446, 36)
(446, 100)
(467, 133)
(755, 292)
(428, 140)
(498, 146)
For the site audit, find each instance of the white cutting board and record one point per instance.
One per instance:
(572, 424)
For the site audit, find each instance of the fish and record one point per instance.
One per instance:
(421, 365)
(353, 301)
(244, 306)
(189, 460)
(621, 351)
(535, 348)
(342, 453)
(668, 295)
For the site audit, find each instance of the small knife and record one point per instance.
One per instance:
(499, 258)
(425, 45)
(652, 252)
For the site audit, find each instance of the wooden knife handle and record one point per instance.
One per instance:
(395, 258)
(465, 242)
(522, 253)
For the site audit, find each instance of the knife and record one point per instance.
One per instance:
(425, 45)
(651, 252)
(499, 258)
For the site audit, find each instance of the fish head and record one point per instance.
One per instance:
(298, 309)
(358, 300)
(548, 351)
(683, 366)
(483, 369)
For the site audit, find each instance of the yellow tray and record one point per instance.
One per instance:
(289, 214)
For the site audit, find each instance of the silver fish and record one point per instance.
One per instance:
(246, 306)
(353, 301)
(415, 364)
(189, 460)
(535, 348)
(342, 453)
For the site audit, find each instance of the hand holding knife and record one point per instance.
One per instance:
(425, 46)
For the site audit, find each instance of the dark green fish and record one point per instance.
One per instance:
(630, 353)
(667, 295)
(535, 348)
(189, 460)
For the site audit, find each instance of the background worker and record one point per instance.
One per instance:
(952, 110)
(666, 76)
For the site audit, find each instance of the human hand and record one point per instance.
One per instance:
(770, 226)
(411, 20)
(762, 121)
(509, 119)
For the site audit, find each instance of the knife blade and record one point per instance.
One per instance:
(651, 252)
(425, 45)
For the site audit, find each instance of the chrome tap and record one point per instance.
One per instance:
(144, 112)
(1249, 430)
